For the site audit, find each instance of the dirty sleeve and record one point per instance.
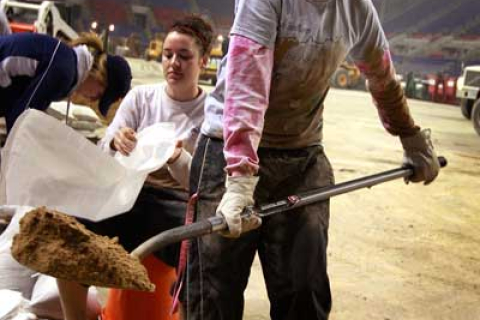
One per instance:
(372, 55)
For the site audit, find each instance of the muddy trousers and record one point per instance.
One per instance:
(291, 245)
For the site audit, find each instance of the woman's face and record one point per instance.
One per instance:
(91, 89)
(181, 59)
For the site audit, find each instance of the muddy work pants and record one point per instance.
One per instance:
(291, 245)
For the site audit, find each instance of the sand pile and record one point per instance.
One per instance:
(56, 244)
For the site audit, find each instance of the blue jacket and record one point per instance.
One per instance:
(24, 59)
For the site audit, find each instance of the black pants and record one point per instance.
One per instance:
(291, 246)
(155, 211)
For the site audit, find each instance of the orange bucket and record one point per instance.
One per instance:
(140, 305)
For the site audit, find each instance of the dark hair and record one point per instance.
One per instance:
(198, 28)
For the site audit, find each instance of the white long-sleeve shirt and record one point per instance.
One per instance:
(149, 104)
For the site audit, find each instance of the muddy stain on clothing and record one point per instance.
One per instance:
(301, 79)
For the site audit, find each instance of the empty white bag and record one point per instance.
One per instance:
(46, 163)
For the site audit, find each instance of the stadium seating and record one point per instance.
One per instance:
(426, 65)
(225, 10)
(414, 15)
(475, 30)
(454, 20)
(183, 5)
(428, 35)
(165, 16)
(430, 16)
(109, 11)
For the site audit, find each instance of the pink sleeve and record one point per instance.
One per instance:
(249, 73)
(387, 93)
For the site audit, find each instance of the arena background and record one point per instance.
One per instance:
(428, 35)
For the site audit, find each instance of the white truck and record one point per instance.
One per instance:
(37, 16)
(468, 91)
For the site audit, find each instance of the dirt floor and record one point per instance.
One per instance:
(396, 251)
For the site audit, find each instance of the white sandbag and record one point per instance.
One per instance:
(45, 300)
(84, 113)
(45, 163)
(14, 276)
(39, 292)
(76, 112)
(58, 110)
(12, 306)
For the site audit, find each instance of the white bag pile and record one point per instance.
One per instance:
(81, 118)
(25, 294)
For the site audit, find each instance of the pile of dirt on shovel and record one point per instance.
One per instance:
(53, 243)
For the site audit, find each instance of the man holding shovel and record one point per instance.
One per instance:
(266, 116)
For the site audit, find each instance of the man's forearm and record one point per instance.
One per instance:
(387, 93)
(249, 70)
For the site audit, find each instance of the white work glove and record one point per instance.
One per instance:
(239, 194)
(419, 153)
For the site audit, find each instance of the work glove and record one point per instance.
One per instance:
(239, 194)
(419, 153)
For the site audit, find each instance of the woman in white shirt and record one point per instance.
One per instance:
(162, 202)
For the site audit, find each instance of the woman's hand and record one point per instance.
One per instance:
(124, 141)
(176, 153)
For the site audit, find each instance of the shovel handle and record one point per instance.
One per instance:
(443, 161)
(217, 223)
(189, 231)
(322, 194)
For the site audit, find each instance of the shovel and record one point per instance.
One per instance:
(215, 224)
(114, 267)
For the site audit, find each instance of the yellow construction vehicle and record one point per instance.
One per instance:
(209, 73)
(346, 76)
(154, 50)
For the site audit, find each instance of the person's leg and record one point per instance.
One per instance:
(293, 245)
(73, 297)
(161, 209)
(156, 210)
(218, 267)
(164, 210)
